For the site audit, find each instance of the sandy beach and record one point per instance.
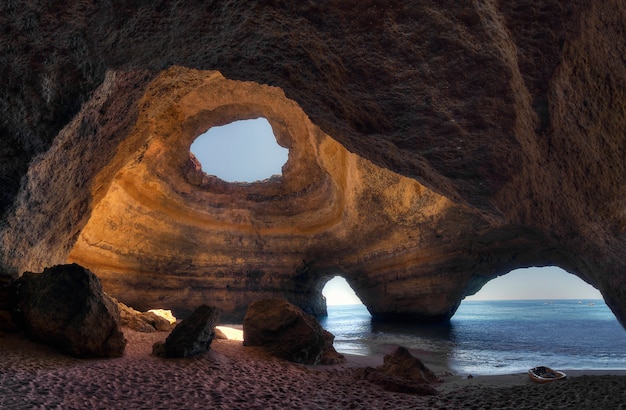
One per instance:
(231, 376)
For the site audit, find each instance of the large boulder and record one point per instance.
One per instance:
(65, 306)
(403, 373)
(401, 363)
(284, 330)
(192, 336)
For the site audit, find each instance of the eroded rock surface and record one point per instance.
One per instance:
(64, 306)
(403, 373)
(329, 355)
(142, 321)
(192, 336)
(433, 147)
(328, 213)
(284, 331)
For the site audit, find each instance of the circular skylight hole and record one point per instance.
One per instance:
(242, 151)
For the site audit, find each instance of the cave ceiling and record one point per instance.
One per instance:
(432, 147)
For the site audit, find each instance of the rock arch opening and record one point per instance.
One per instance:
(537, 283)
(347, 317)
(338, 292)
(531, 315)
(240, 151)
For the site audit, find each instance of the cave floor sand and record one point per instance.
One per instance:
(232, 376)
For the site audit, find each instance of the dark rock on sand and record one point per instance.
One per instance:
(284, 330)
(192, 336)
(6, 322)
(65, 306)
(7, 303)
(7, 292)
(403, 373)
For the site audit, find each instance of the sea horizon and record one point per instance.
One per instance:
(490, 300)
(493, 336)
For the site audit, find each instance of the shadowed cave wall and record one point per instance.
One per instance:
(433, 146)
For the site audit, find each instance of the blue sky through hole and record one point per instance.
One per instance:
(537, 283)
(242, 151)
(247, 151)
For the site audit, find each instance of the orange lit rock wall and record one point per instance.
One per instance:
(167, 235)
(433, 146)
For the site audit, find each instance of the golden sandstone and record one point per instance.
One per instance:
(431, 149)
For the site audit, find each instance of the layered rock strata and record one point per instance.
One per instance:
(433, 147)
(165, 233)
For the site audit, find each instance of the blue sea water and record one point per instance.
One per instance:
(494, 337)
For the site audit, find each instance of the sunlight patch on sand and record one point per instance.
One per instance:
(165, 314)
(231, 333)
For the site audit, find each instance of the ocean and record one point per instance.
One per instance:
(494, 337)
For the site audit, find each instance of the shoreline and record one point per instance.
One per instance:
(233, 376)
(453, 381)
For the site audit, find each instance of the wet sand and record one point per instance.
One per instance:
(232, 376)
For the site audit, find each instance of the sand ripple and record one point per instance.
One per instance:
(231, 376)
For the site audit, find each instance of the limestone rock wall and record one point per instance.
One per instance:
(165, 233)
(433, 146)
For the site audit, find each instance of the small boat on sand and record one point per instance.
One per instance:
(543, 374)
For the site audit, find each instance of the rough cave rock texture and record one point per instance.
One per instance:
(142, 321)
(192, 336)
(402, 372)
(285, 331)
(64, 306)
(433, 146)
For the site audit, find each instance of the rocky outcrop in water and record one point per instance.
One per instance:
(65, 307)
(433, 147)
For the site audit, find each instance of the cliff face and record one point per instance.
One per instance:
(432, 147)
